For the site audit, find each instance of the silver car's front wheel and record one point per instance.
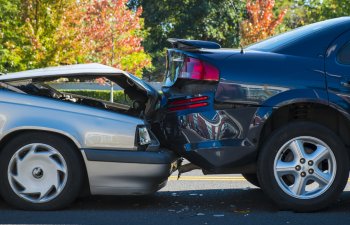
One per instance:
(37, 172)
(40, 171)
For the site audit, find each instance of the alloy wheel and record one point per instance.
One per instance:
(305, 167)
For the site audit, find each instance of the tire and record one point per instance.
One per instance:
(40, 171)
(251, 178)
(279, 174)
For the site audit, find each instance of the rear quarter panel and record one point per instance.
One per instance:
(254, 77)
(87, 127)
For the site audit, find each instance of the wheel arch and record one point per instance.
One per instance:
(313, 111)
(13, 132)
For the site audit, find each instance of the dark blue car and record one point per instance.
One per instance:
(277, 112)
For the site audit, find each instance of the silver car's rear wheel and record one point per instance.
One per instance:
(305, 167)
(40, 171)
(37, 172)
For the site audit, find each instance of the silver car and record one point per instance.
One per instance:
(57, 145)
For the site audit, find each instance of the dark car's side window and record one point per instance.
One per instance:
(343, 56)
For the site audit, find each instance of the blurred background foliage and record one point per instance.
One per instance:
(132, 34)
(41, 33)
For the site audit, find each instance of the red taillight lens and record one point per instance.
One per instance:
(199, 70)
(189, 103)
(192, 106)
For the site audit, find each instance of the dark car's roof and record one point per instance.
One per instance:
(310, 40)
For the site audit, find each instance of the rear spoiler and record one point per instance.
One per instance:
(193, 44)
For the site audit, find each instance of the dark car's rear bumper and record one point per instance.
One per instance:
(128, 172)
(215, 140)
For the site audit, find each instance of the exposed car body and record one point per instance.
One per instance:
(108, 135)
(224, 105)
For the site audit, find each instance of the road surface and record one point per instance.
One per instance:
(193, 200)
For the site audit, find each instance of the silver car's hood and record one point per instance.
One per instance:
(70, 70)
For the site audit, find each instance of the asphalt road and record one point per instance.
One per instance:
(195, 199)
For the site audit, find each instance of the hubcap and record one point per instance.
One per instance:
(37, 173)
(305, 167)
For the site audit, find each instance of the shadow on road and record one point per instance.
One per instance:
(216, 206)
(219, 200)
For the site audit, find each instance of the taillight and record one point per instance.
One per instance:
(198, 70)
(189, 103)
(192, 106)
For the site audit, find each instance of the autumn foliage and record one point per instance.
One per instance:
(112, 35)
(51, 33)
(261, 22)
(105, 31)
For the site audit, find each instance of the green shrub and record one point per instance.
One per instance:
(118, 96)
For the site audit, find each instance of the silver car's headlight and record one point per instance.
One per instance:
(143, 136)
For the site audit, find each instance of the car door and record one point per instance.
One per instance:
(337, 65)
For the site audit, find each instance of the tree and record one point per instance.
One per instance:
(112, 34)
(70, 47)
(41, 20)
(11, 36)
(40, 33)
(28, 32)
(261, 22)
(302, 12)
(190, 19)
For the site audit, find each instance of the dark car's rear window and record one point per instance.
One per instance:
(284, 39)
